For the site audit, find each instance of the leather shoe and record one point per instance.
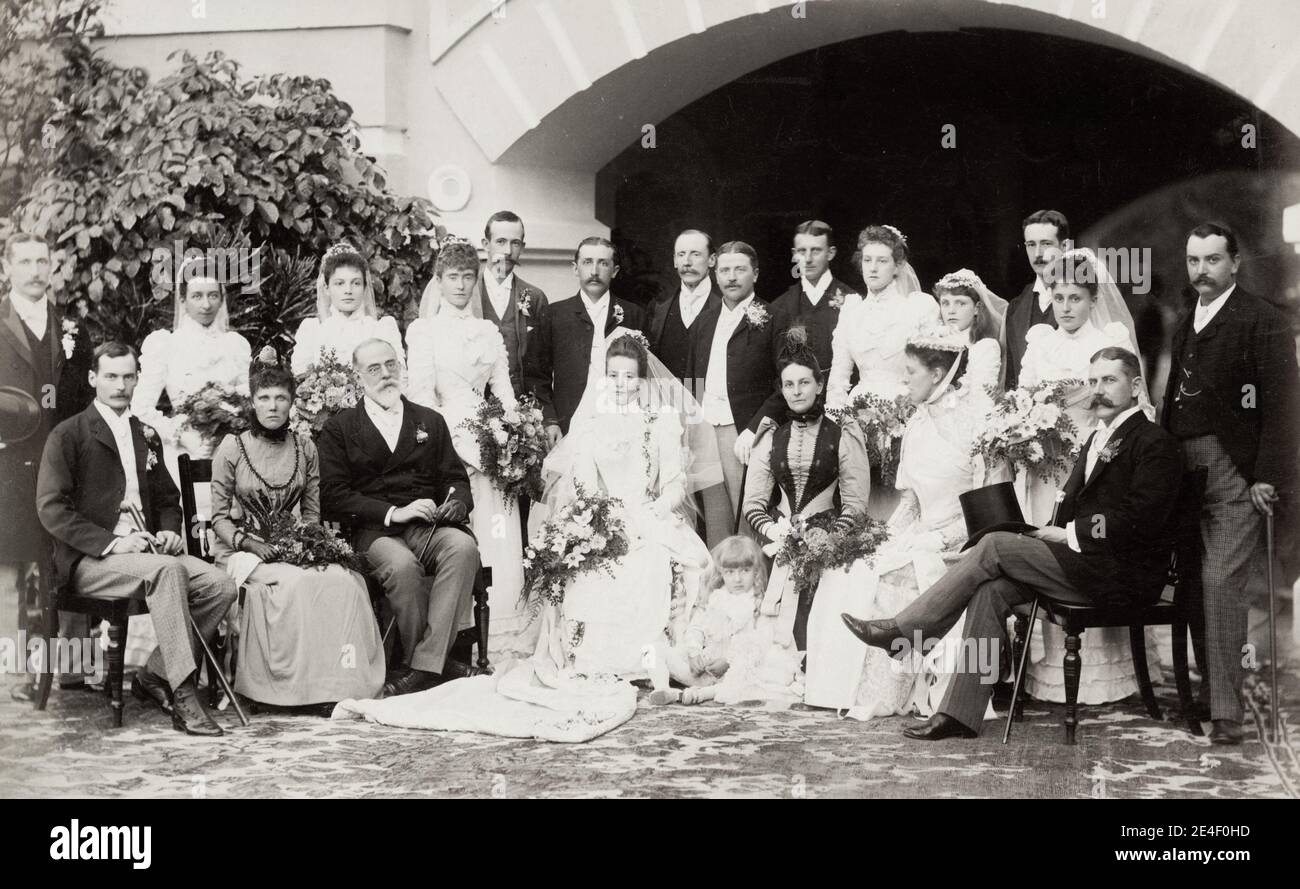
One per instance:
(411, 682)
(457, 669)
(189, 715)
(876, 633)
(150, 689)
(1226, 731)
(938, 727)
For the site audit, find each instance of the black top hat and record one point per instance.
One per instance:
(992, 508)
(20, 415)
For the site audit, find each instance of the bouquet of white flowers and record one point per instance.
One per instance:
(584, 535)
(882, 421)
(511, 446)
(326, 388)
(1030, 427)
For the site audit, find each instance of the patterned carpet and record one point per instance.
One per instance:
(71, 750)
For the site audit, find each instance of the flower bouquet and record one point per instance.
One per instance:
(327, 387)
(295, 542)
(584, 535)
(808, 554)
(511, 445)
(1031, 428)
(214, 411)
(882, 421)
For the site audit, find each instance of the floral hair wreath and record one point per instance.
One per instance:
(636, 335)
(961, 278)
(337, 249)
(940, 338)
(896, 232)
(454, 239)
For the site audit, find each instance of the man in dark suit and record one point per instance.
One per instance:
(507, 300)
(1047, 235)
(47, 356)
(1112, 543)
(1231, 401)
(732, 371)
(569, 348)
(676, 312)
(102, 471)
(389, 464)
(816, 299)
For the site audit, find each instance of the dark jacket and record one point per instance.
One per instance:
(1124, 515)
(1018, 321)
(669, 306)
(361, 478)
(1246, 360)
(819, 320)
(81, 486)
(20, 368)
(555, 368)
(752, 382)
(516, 327)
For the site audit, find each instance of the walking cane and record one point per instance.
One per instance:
(1272, 627)
(763, 427)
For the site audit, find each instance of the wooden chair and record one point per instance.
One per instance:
(55, 598)
(1181, 611)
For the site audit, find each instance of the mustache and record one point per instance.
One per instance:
(1101, 401)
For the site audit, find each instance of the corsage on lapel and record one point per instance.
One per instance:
(69, 337)
(618, 313)
(421, 434)
(525, 304)
(1106, 454)
(151, 443)
(756, 315)
(837, 298)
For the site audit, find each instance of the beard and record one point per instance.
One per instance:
(388, 396)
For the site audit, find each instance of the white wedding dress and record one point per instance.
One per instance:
(608, 629)
(1051, 355)
(927, 531)
(453, 357)
(871, 336)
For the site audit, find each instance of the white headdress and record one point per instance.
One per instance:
(431, 299)
(323, 307)
(943, 339)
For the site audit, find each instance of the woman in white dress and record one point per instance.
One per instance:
(454, 355)
(966, 305)
(871, 334)
(926, 531)
(1091, 315)
(632, 437)
(346, 315)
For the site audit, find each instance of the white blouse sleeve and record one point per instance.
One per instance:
(837, 390)
(241, 355)
(1035, 340)
(985, 366)
(421, 373)
(305, 346)
(926, 308)
(388, 332)
(154, 355)
(672, 475)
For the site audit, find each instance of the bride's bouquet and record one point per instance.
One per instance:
(814, 544)
(511, 446)
(585, 535)
(294, 542)
(327, 387)
(214, 411)
(882, 421)
(1030, 427)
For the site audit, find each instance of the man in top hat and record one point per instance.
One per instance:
(1111, 544)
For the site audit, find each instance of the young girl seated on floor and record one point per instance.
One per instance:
(723, 617)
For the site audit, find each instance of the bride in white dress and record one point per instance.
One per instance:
(927, 531)
(454, 355)
(632, 437)
(346, 315)
(1091, 315)
(871, 334)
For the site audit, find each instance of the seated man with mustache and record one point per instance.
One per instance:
(390, 464)
(1114, 537)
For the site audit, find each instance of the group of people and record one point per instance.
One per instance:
(706, 417)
